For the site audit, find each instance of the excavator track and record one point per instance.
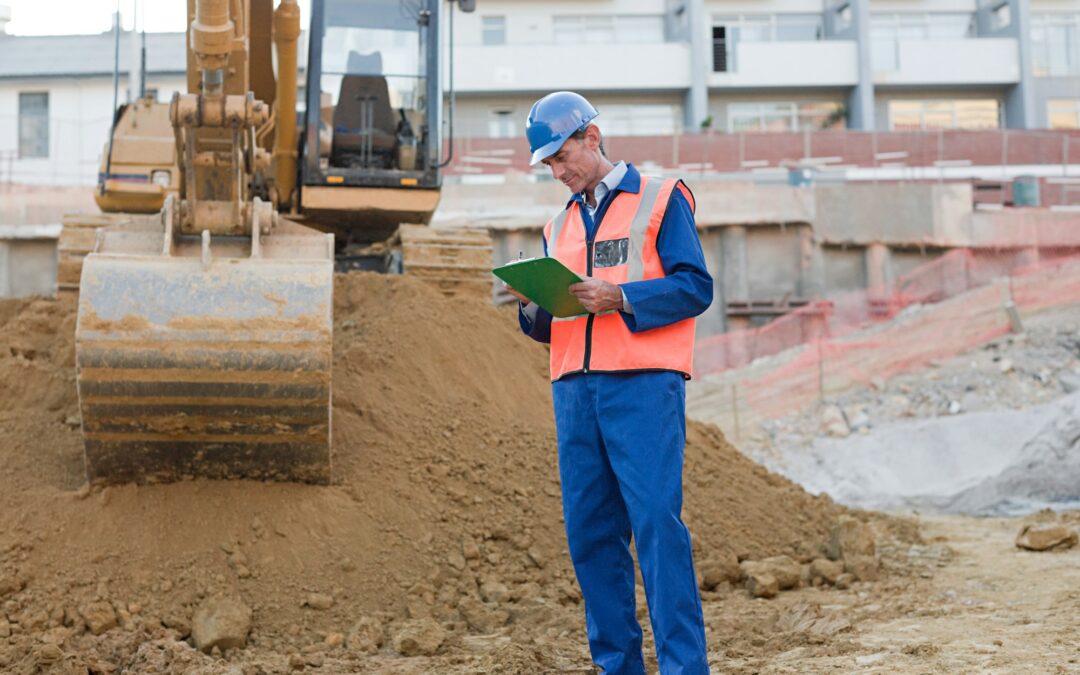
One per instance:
(456, 260)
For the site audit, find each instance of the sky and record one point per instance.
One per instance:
(69, 17)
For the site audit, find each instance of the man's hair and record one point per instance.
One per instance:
(580, 134)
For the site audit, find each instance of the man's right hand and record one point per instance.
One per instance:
(524, 301)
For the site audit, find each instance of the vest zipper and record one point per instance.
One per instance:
(589, 321)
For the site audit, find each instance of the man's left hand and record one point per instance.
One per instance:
(597, 295)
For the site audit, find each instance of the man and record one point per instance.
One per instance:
(618, 386)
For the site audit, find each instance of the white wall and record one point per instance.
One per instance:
(972, 61)
(80, 115)
(790, 64)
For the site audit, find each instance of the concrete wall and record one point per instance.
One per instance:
(28, 260)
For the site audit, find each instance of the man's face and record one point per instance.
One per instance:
(576, 163)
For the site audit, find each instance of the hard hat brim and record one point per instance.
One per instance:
(545, 151)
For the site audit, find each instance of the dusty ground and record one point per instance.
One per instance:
(445, 514)
(986, 608)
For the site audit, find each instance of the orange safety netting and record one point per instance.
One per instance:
(943, 308)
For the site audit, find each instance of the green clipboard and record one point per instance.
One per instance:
(544, 281)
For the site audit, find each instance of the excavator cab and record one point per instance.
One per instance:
(377, 62)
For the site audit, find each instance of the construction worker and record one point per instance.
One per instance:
(618, 385)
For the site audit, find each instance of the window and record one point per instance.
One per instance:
(33, 125)
(503, 124)
(493, 30)
(944, 114)
(729, 31)
(781, 116)
(1055, 44)
(1063, 113)
(887, 30)
(639, 119)
(606, 29)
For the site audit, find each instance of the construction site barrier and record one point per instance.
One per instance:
(944, 308)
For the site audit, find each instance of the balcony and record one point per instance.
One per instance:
(829, 63)
(977, 61)
(663, 66)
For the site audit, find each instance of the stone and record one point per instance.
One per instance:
(456, 560)
(862, 567)
(319, 601)
(493, 591)
(470, 549)
(782, 568)
(1069, 380)
(1005, 365)
(99, 616)
(334, 640)
(844, 581)
(762, 586)
(479, 617)
(220, 622)
(366, 636)
(717, 570)
(834, 423)
(1039, 537)
(10, 583)
(826, 570)
(419, 638)
(955, 408)
(5, 627)
(850, 537)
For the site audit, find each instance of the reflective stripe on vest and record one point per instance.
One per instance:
(624, 251)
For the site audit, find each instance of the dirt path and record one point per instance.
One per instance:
(990, 609)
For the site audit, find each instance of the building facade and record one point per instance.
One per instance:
(652, 67)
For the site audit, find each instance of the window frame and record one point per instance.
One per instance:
(37, 148)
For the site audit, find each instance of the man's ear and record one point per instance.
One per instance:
(592, 137)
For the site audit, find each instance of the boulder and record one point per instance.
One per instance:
(99, 616)
(850, 537)
(1040, 537)
(366, 636)
(762, 585)
(419, 638)
(825, 570)
(220, 622)
(783, 569)
(718, 569)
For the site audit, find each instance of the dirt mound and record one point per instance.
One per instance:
(445, 507)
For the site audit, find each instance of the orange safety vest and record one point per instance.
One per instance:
(624, 250)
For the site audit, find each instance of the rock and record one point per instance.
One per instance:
(319, 601)
(9, 583)
(783, 569)
(955, 408)
(833, 422)
(1069, 380)
(333, 640)
(826, 570)
(366, 636)
(493, 591)
(1038, 537)
(1005, 365)
(716, 571)
(844, 581)
(862, 567)
(456, 560)
(99, 616)
(857, 417)
(479, 617)
(470, 549)
(419, 638)
(850, 537)
(762, 585)
(536, 556)
(220, 622)
(5, 627)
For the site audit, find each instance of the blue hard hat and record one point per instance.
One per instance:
(553, 119)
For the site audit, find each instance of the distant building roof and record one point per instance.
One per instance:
(82, 55)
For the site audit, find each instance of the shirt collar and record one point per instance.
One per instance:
(629, 180)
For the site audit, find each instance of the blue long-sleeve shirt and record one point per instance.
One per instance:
(686, 290)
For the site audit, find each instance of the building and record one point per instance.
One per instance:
(653, 67)
(658, 66)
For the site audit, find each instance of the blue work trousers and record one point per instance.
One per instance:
(621, 439)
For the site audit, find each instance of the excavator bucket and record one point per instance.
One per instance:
(190, 365)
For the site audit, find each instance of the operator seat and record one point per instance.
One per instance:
(364, 121)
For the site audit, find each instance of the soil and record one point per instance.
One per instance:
(444, 514)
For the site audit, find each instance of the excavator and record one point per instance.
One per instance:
(205, 286)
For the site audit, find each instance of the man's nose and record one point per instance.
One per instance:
(557, 171)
